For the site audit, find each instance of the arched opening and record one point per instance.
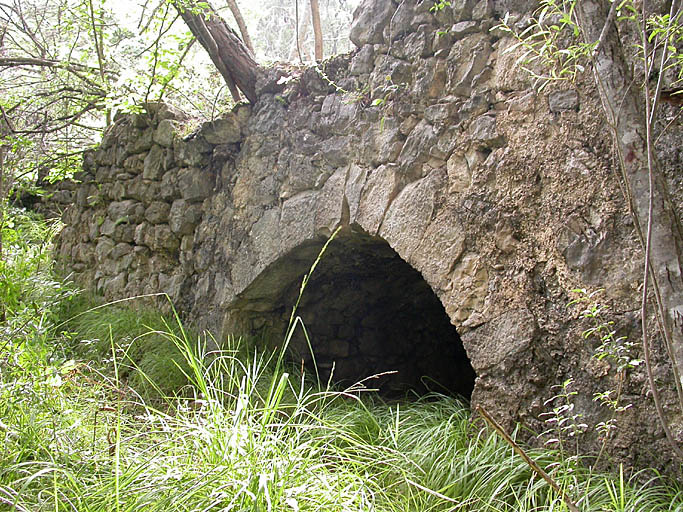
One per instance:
(367, 312)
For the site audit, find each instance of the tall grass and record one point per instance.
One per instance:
(238, 429)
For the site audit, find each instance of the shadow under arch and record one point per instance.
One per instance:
(366, 312)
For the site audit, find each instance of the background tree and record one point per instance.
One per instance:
(274, 24)
(303, 27)
(317, 30)
(53, 92)
(631, 113)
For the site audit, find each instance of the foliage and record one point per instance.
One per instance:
(552, 48)
(550, 42)
(28, 289)
(148, 358)
(670, 31)
(564, 423)
(67, 66)
(439, 5)
(615, 349)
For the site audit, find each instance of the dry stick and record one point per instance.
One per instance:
(605, 29)
(532, 464)
(163, 31)
(3, 151)
(180, 61)
(99, 43)
(155, 44)
(649, 122)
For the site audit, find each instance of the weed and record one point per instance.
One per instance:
(616, 350)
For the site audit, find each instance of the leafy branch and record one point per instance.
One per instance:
(551, 44)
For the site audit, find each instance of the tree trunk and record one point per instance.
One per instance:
(317, 30)
(624, 111)
(298, 47)
(231, 57)
(237, 14)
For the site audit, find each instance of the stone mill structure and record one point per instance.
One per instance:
(470, 206)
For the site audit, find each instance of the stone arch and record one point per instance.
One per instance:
(366, 311)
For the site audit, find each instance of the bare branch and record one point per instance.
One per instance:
(49, 63)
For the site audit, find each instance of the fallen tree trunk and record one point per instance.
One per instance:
(232, 58)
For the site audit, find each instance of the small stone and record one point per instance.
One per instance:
(142, 143)
(191, 152)
(124, 233)
(363, 62)
(108, 226)
(369, 20)
(186, 243)
(157, 212)
(128, 210)
(103, 248)
(165, 133)
(442, 44)
(183, 217)
(222, 131)
(440, 112)
(194, 184)
(482, 10)
(114, 285)
(561, 101)
(143, 235)
(120, 250)
(484, 131)
(154, 163)
(463, 28)
(164, 238)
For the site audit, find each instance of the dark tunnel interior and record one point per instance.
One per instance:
(368, 312)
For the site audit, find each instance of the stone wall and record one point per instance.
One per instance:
(138, 201)
(425, 145)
